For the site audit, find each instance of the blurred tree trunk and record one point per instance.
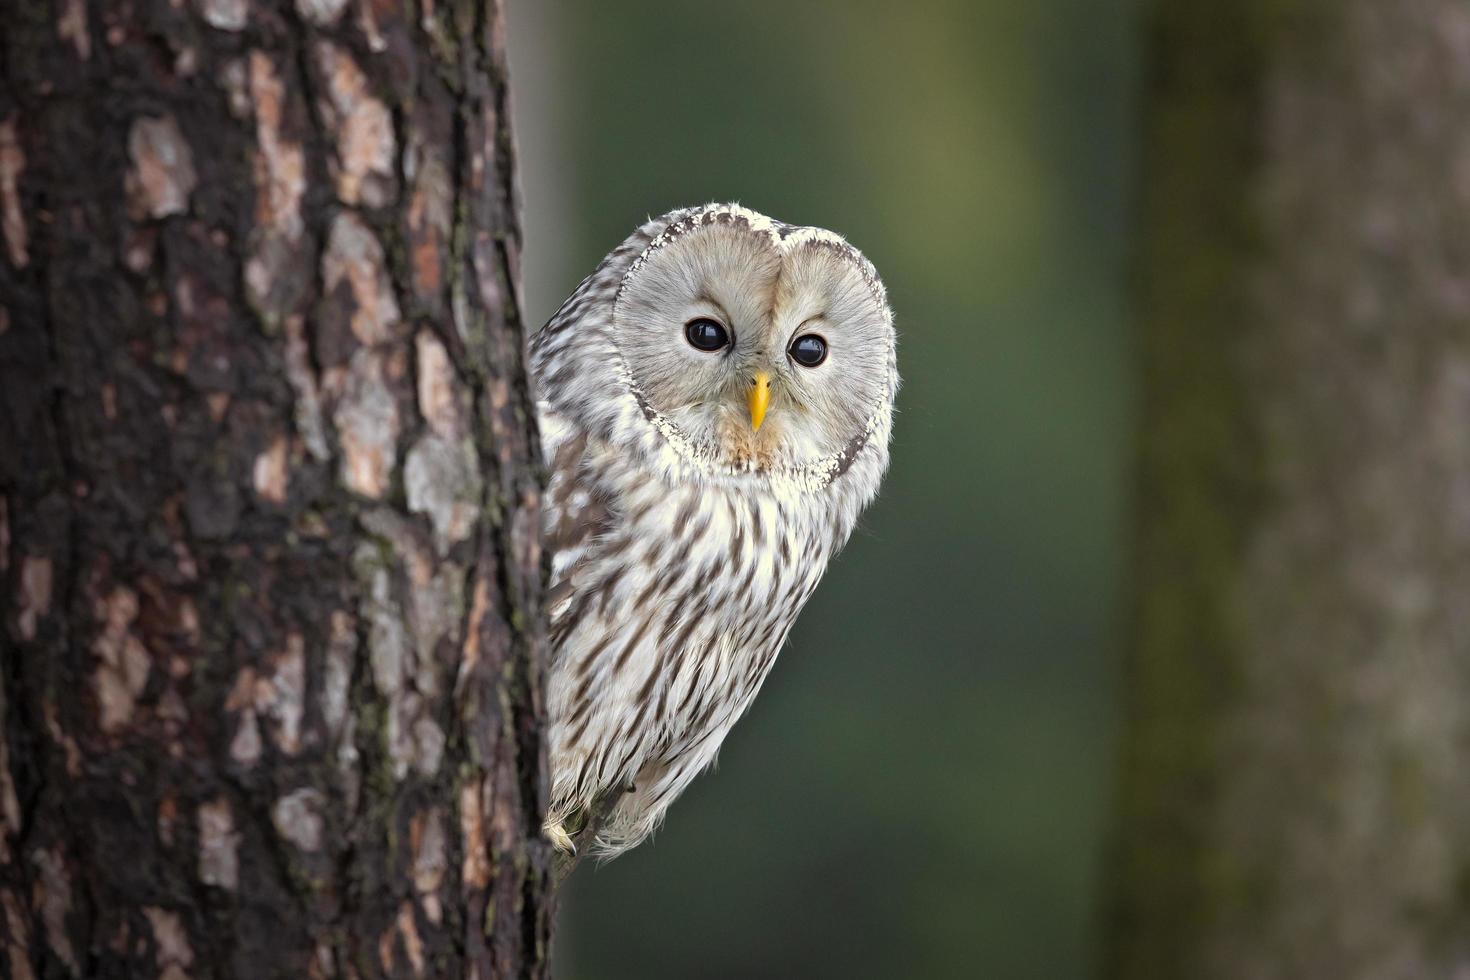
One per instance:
(1296, 792)
(268, 510)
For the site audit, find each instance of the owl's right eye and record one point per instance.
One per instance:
(706, 335)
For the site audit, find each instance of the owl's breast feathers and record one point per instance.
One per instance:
(668, 606)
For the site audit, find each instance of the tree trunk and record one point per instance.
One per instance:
(268, 506)
(1295, 798)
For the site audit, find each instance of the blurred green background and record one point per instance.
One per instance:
(922, 788)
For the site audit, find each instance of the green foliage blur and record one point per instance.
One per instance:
(922, 788)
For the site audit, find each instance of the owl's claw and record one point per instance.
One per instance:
(560, 839)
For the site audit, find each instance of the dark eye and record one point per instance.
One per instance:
(808, 350)
(706, 335)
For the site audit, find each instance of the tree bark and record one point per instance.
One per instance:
(270, 700)
(1295, 800)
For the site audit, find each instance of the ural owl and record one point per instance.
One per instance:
(715, 403)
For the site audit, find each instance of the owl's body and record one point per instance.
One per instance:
(702, 475)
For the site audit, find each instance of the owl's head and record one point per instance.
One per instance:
(749, 346)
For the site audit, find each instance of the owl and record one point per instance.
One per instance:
(715, 403)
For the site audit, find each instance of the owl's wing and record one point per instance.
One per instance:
(578, 511)
(571, 360)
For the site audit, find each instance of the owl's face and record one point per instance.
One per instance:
(765, 346)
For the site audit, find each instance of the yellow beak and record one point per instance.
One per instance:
(759, 398)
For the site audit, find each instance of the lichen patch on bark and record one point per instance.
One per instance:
(387, 638)
(162, 174)
(337, 671)
(171, 949)
(282, 696)
(271, 471)
(443, 402)
(273, 278)
(303, 381)
(227, 15)
(219, 845)
(355, 257)
(389, 654)
(245, 746)
(276, 696)
(297, 817)
(367, 423)
(428, 745)
(234, 76)
(124, 662)
(427, 842)
(72, 27)
(442, 475)
(442, 480)
(321, 12)
(406, 665)
(363, 128)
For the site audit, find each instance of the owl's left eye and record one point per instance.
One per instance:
(706, 335)
(808, 350)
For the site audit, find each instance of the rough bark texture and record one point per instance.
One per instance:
(1295, 800)
(268, 511)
